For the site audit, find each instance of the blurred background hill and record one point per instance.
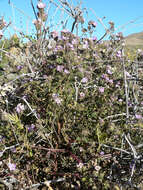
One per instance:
(134, 40)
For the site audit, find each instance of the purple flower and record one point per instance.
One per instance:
(64, 38)
(82, 94)
(84, 80)
(13, 150)
(60, 68)
(70, 45)
(58, 48)
(66, 71)
(101, 153)
(119, 54)
(94, 38)
(54, 95)
(31, 127)
(138, 116)
(74, 41)
(110, 81)
(20, 108)
(19, 67)
(127, 74)
(57, 99)
(101, 89)
(11, 166)
(105, 77)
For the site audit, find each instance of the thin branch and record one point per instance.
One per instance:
(126, 86)
(116, 115)
(47, 183)
(7, 148)
(101, 38)
(34, 10)
(132, 147)
(122, 150)
(32, 110)
(100, 20)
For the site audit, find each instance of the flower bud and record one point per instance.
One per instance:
(41, 5)
(1, 34)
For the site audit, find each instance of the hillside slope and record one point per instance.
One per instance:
(135, 39)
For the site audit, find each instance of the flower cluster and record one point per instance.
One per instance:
(20, 108)
(57, 99)
(40, 18)
(11, 166)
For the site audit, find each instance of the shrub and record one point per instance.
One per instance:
(65, 99)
